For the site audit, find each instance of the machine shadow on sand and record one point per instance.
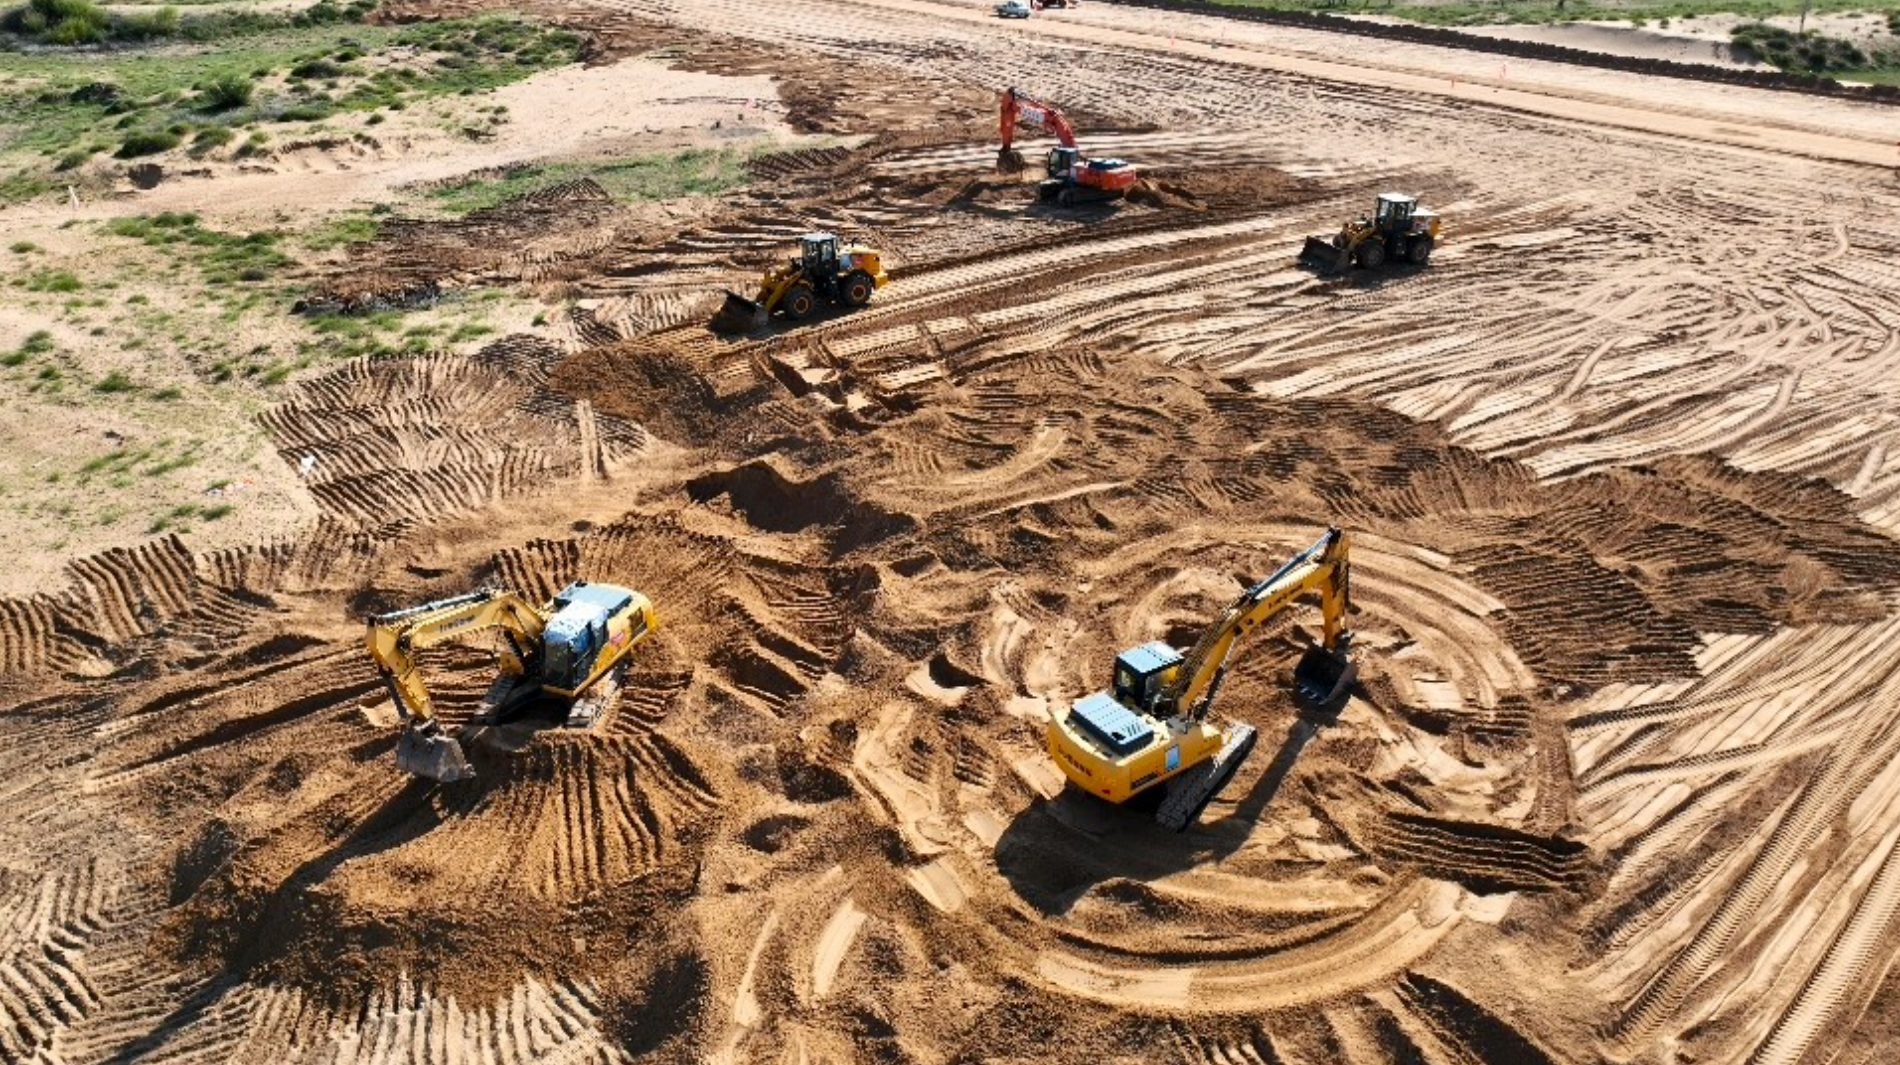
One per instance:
(1050, 856)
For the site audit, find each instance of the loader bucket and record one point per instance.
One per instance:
(1009, 161)
(1321, 254)
(426, 752)
(1323, 677)
(738, 315)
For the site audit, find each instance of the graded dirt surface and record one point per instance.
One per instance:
(1617, 782)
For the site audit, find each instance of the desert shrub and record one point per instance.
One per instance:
(213, 137)
(227, 91)
(114, 382)
(316, 69)
(146, 25)
(147, 142)
(59, 21)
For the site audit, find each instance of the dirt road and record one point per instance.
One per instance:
(1616, 785)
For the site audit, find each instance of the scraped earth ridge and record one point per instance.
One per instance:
(1616, 783)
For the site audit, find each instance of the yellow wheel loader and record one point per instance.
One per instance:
(571, 650)
(843, 275)
(1399, 230)
(1150, 729)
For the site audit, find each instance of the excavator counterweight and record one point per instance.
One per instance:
(1149, 728)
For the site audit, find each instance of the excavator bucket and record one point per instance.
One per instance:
(426, 752)
(739, 315)
(1323, 676)
(1009, 161)
(1323, 255)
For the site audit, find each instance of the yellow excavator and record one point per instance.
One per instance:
(567, 649)
(847, 275)
(1150, 728)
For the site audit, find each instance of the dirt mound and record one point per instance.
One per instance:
(775, 500)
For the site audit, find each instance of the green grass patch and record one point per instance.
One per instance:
(50, 281)
(114, 383)
(225, 258)
(664, 176)
(132, 101)
(336, 232)
(23, 247)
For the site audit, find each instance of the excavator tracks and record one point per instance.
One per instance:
(1190, 792)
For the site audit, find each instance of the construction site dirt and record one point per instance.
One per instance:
(1617, 781)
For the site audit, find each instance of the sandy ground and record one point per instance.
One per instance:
(1617, 783)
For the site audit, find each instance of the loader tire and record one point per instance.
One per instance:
(798, 302)
(1420, 252)
(856, 288)
(1372, 255)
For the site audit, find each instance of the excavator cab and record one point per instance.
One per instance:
(1142, 672)
(579, 631)
(1062, 160)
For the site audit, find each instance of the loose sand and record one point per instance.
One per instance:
(1618, 782)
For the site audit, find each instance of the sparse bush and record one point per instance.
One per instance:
(114, 382)
(53, 281)
(316, 69)
(73, 160)
(64, 22)
(146, 25)
(22, 247)
(227, 92)
(149, 142)
(212, 137)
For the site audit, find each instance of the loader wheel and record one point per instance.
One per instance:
(798, 302)
(1372, 256)
(1420, 252)
(856, 288)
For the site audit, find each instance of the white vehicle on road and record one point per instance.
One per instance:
(1013, 9)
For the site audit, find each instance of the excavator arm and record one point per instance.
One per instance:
(1324, 567)
(1017, 107)
(396, 638)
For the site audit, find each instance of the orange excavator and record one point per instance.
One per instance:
(1072, 177)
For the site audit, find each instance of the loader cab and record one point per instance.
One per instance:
(818, 253)
(1063, 160)
(1141, 673)
(1394, 211)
